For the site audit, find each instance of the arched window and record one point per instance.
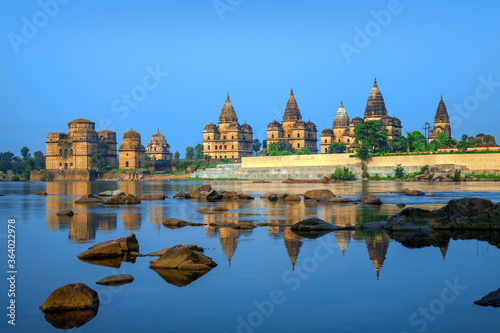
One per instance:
(348, 140)
(208, 147)
(139, 163)
(60, 152)
(288, 135)
(71, 165)
(298, 145)
(215, 147)
(339, 140)
(325, 140)
(155, 148)
(65, 166)
(71, 152)
(243, 137)
(60, 165)
(232, 136)
(225, 156)
(225, 147)
(65, 152)
(224, 137)
(220, 147)
(308, 135)
(326, 150)
(208, 137)
(272, 136)
(232, 146)
(298, 135)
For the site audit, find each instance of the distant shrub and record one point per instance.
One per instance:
(399, 172)
(15, 178)
(342, 174)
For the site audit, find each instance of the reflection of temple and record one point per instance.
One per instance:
(444, 250)
(229, 242)
(343, 238)
(377, 246)
(293, 243)
(83, 225)
(131, 219)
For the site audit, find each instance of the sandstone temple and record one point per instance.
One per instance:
(132, 152)
(229, 139)
(293, 129)
(343, 128)
(74, 150)
(441, 122)
(158, 148)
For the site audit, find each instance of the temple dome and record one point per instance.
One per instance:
(131, 135)
(327, 132)
(341, 118)
(245, 127)
(274, 124)
(158, 137)
(81, 121)
(357, 120)
(292, 112)
(211, 127)
(441, 113)
(228, 115)
(375, 107)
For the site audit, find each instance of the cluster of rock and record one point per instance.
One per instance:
(407, 191)
(324, 180)
(118, 197)
(320, 195)
(73, 305)
(435, 174)
(206, 192)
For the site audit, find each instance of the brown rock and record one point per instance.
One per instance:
(89, 198)
(180, 195)
(492, 299)
(42, 193)
(108, 249)
(116, 280)
(366, 197)
(180, 257)
(220, 209)
(205, 188)
(128, 199)
(244, 226)
(71, 297)
(273, 198)
(340, 200)
(293, 198)
(373, 201)
(214, 196)
(143, 197)
(282, 196)
(431, 194)
(67, 212)
(266, 195)
(175, 223)
(414, 193)
(243, 196)
(316, 194)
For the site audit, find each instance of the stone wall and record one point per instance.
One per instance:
(61, 176)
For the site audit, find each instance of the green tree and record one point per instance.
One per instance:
(303, 151)
(177, 155)
(464, 143)
(198, 151)
(256, 145)
(399, 172)
(442, 141)
(29, 165)
(98, 160)
(39, 160)
(371, 133)
(489, 140)
(337, 148)
(189, 153)
(398, 144)
(264, 144)
(279, 148)
(363, 153)
(416, 141)
(25, 153)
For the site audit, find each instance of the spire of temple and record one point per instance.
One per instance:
(229, 242)
(377, 250)
(293, 243)
(444, 251)
(228, 115)
(442, 113)
(341, 118)
(292, 112)
(375, 107)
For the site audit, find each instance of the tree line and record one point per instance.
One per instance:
(23, 165)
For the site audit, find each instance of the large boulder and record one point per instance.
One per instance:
(340, 200)
(373, 201)
(116, 280)
(243, 196)
(111, 193)
(159, 253)
(143, 197)
(71, 297)
(492, 299)
(366, 198)
(200, 192)
(111, 249)
(128, 199)
(468, 206)
(179, 278)
(414, 192)
(316, 194)
(180, 195)
(182, 258)
(42, 193)
(89, 198)
(411, 219)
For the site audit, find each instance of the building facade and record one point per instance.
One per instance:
(293, 129)
(132, 152)
(74, 150)
(158, 148)
(343, 129)
(441, 122)
(228, 139)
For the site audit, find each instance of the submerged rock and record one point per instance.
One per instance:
(411, 219)
(67, 212)
(213, 195)
(313, 224)
(159, 253)
(182, 258)
(401, 205)
(293, 198)
(116, 280)
(492, 299)
(144, 197)
(174, 223)
(89, 198)
(180, 195)
(414, 192)
(179, 278)
(373, 201)
(243, 196)
(76, 296)
(340, 200)
(244, 225)
(42, 193)
(316, 194)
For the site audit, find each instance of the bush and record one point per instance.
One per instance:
(15, 178)
(47, 176)
(343, 174)
(375, 177)
(456, 177)
(430, 176)
(399, 172)
(424, 169)
(366, 175)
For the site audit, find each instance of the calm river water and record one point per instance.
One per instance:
(267, 279)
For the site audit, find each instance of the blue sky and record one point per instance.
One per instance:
(84, 58)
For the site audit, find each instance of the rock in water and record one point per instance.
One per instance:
(111, 193)
(414, 192)
(492, 299)
(67, 212)
(128, 199)
(111, 249)
(468, 206)
(89, 198)
(339, 200)
(316, 194)
(292, 198)
(180, 257)
(373, 201)
(214, 196)
(42, 193)
(243, 196)
(116, 280)
(71, 297)
(312, 224)
(143, 197)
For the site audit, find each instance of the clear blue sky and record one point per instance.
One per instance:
(82, 58)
